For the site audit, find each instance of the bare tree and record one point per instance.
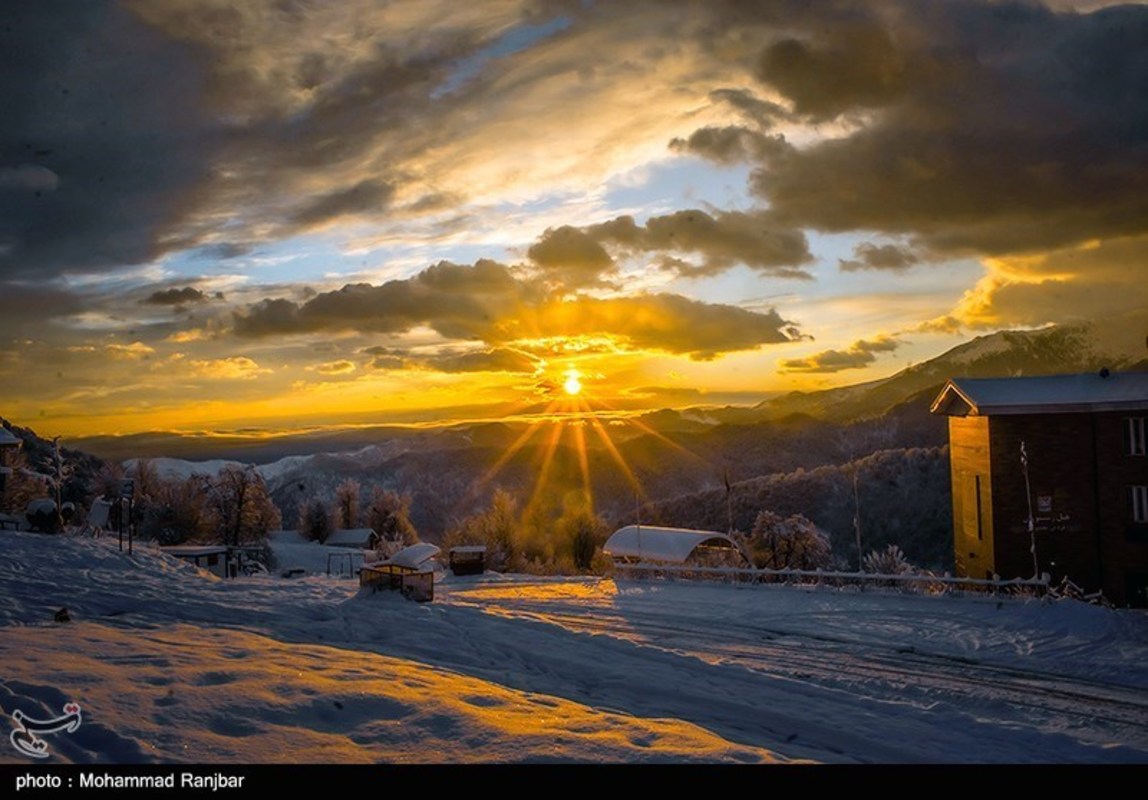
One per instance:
(243, 506)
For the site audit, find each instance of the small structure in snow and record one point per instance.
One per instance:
(358, 538)
(647, 544)
(213, 558)
(468, 559)
(407, 571)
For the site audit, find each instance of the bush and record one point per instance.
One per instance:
(790, 543)
(890, 561)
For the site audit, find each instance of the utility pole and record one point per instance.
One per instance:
(1031, 522)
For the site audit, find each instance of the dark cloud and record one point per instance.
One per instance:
(722, 239)
(995, 128)
(729, 144)
(23, 305)
(487, 302)
(860, 354)
(460, 302)
(855, 65)
(572, 258)
(883, 257)
(497, 359)
(364, 198)
(668, 323)
(175, 297)
(103, 142)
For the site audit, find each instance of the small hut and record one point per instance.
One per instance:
(213, 558)
(407, 571)
(468, 559)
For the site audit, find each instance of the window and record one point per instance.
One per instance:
(1134, 436)
(1138, 497)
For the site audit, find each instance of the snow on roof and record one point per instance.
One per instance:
(670, 545)
(287, 537)
(192, 551)
(961, 397)
(350, 537)
(8, 439)
(414, 556)
(469, 548)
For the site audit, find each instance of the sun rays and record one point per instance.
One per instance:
(559, 453)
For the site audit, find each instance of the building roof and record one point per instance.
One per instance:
(415, 556)
(667, 545)
(350, 537)
(1052, 394)
(8, 439)
(193, 551)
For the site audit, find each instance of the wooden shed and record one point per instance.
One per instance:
(468, 559)
(407, 572)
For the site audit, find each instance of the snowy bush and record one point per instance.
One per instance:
(790, 543)
(890, 561)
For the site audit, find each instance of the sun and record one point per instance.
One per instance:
(573, 384)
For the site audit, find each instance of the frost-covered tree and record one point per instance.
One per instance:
(788, 543)
(388, 514)
(179, 511)
(581, 534)
(347, 504)
(497, 527)
(243, 506)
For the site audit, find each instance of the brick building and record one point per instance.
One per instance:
(1082, 483)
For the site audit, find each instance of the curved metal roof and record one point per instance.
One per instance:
(667, 545)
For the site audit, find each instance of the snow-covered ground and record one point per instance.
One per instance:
(170, 664)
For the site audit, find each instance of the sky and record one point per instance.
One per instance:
(280, 214)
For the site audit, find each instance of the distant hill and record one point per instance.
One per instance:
(1049, 351)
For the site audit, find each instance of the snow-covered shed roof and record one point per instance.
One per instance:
(350, 537)
(415, 556)
(195, 551)
(1052, 394)
(8, 439)
(668, 545)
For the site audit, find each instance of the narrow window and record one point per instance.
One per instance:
(1138, 497)
(980, 519)
(1134, 444)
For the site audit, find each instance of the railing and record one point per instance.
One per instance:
(923, 583)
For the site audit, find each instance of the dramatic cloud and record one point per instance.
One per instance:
(995, 128)
(723, 240)
(1098, 281)
(175, 297)
(459, 302)
(860, 354)
(498, 359)
(488, 303)
(662, 322)
(571, 257)
(103, 138)
(871, 256)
